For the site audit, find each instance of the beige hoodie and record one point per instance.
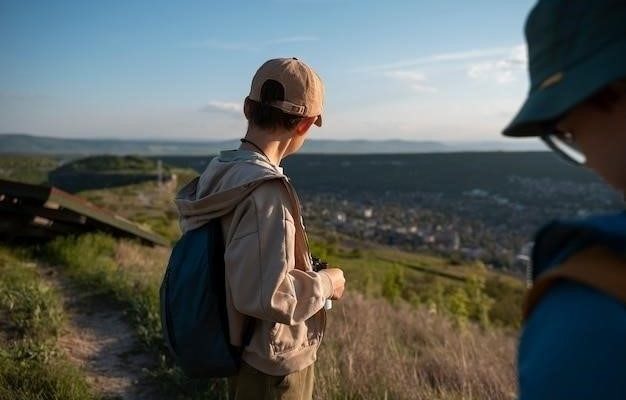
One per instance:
(268, 267)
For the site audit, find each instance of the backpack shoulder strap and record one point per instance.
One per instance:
(597, 267)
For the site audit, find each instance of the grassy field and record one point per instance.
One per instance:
(462, 291)
(375, 270)
(447, 324)
(411, 326)
(31, 317)
(29, 169)
(376, 346)
(443, 303)
(147, 204)
(377, 350)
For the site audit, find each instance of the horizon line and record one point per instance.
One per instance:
(208, 140)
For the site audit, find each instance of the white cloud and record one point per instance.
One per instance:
(442, 57)
(504, 70)
(223, 107)
(416, 80)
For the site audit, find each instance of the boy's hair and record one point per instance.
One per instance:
(264, 116)
(608, 96)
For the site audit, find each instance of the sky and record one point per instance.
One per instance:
(445, 70)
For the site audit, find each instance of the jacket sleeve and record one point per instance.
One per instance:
(260, 261)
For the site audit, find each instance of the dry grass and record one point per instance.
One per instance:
(146, 204)
(375, 350)
(141, 263)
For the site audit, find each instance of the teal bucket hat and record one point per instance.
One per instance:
(575, 48)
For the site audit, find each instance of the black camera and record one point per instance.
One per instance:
(318, 264)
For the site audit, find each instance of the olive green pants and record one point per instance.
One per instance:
(251, 384)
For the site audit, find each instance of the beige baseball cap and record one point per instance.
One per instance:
(304, 90)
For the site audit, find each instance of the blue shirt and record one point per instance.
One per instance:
(573, 346)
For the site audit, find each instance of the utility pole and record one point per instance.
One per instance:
(160, 172)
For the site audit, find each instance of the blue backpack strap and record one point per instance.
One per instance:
(597, 267)
(559, 240)
(590, 251)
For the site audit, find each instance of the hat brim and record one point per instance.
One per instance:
(577, 84)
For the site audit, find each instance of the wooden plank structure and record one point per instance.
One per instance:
(36, 212)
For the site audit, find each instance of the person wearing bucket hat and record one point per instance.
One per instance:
(572, 344)
(276, 298)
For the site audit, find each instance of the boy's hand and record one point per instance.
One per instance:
(338, 280)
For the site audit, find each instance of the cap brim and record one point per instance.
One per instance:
(578, 83)
(318, 121)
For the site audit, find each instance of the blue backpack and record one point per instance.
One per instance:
(193, 305)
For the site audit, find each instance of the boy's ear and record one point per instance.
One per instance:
(246, 108)
(304, 125)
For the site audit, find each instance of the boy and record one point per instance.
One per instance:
(573, 346)
(275, 300)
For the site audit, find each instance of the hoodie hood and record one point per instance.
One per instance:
(225, 182)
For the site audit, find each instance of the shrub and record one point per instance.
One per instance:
(507, 309)
(457, 303)
(30, 309)
(393, 283)
(479, 302)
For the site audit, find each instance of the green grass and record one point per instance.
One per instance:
(145, 204)
(31, 316)
(90, 261)
(130, 274)
(28, 169)
(466, 291)
(128, 164)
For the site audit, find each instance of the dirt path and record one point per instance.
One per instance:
(100, 342)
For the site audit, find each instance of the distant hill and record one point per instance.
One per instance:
(17, 143)
(106, 171)
(108, 163)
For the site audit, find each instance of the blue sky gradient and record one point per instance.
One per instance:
(417, 70)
